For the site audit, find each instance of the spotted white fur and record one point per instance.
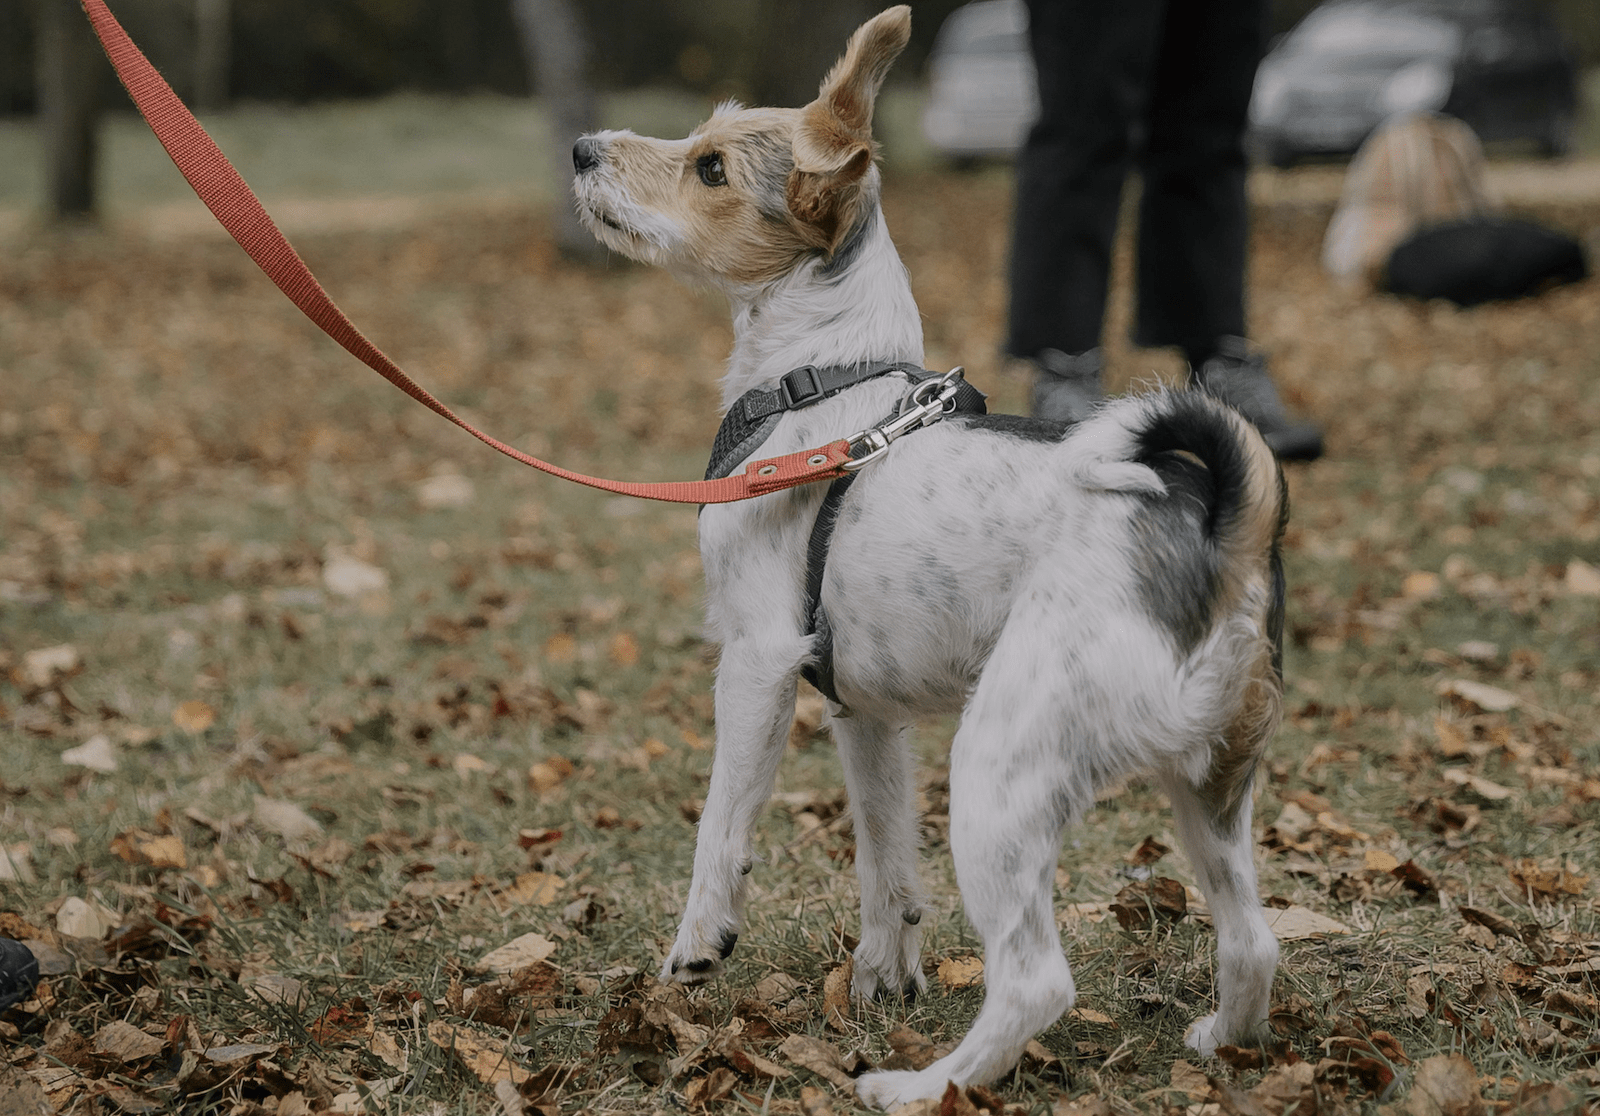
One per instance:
(1016, 579)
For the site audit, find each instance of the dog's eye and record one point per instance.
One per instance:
(710, 169)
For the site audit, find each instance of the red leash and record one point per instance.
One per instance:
(233, 203)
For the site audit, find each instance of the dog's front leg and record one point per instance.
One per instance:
(754, 708)
(878, 772)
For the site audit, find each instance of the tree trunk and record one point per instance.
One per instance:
(212, 52)
(557, 56)
(68, 70)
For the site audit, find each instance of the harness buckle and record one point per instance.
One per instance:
(801, 387)
(925, 404)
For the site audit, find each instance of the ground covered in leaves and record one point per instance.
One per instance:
(345, 766)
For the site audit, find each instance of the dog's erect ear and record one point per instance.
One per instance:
(833, 146)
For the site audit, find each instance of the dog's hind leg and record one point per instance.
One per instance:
(1009, 798)
(1216, 836)
(754, 708)
(878, 772)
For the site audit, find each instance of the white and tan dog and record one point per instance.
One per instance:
(1096, 599)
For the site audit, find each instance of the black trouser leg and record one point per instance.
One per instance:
(1093, 58)
(1193, 217)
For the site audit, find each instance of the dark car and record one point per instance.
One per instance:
(1500, 65)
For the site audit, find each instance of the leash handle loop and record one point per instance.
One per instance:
(236, 206)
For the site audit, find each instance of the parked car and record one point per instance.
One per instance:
(981, 92)
(1500, 65)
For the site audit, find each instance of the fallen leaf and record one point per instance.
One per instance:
(388, 1049)
(16, 863)
(814, 1102)
(20, 1095)
(1582, 579)
(154, 850)
(961, 972)
(97, 753)
(560, 648)
(445, 490)
(519, 953)
(1190, 1079)
(125, 1042)
(1445, 1085)
(285, 819)
(1548, 882)
(1483, 788)
(1377, 860)
(47, 665)
(1488, 699)
(1420, 585)
(624, 649)
(1294, 923)
(1140, 905)
(1090, 1015)
(347, 576)
(487, 1060)
(535, 888)
(548, 774)
(820, 1057)
(275, 988)
(79, 919)
(836, 1008)
(1147, 852)
(194, 716)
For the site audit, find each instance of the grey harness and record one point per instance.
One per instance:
(750, 421)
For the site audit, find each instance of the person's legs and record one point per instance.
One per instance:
(1093, 61)
(1193, 212)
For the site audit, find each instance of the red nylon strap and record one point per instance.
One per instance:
(234, 204)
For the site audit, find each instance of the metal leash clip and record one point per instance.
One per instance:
(925, 404)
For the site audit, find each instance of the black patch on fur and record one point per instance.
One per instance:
(849, 250)
(1015, 426)
(1176, 554)
(729, 940)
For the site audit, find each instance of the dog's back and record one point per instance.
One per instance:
(1137, 552)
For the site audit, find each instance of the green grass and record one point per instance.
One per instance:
(181, 458)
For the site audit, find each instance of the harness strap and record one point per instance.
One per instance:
(819, 670)
(233, 203)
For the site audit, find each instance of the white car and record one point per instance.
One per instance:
(982, 96)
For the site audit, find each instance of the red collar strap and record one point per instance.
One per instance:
(235, 205)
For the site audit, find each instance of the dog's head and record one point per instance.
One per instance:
(751, 192)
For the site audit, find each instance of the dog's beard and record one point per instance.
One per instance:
(622, 226)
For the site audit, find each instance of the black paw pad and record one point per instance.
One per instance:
(699, 965)
(729, 940)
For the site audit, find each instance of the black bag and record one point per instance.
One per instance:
(1479, 259)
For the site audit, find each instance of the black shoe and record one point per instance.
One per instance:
(1238, 377)
(19, 972)
(1067, 388)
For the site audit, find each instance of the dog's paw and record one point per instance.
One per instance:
(1202, 1036)
(891, 1088)
(1205, 1035)
(690, 962)
(867, 985)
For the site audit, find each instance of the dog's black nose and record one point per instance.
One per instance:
(586, 154)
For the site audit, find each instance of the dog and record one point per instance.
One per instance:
(1095, 600)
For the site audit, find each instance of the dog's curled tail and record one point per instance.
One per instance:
(1205, 554)
(1248, 503)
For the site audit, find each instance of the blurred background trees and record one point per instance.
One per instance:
(761, 51)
